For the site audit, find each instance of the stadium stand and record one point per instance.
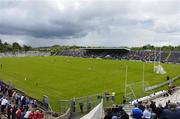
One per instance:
(163, 105)
(15, 105)
(174, 57)
(95, 53)
(124, 54)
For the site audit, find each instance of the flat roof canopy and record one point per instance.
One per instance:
(106, 48)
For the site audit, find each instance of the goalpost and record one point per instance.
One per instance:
(158, 69)
(133, 90)
(128, 96)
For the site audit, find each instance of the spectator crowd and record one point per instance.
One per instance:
(116, 112)
(14, 105)
(150, 110)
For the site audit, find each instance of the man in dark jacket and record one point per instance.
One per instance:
(141, 106)
(159, 111)
(171, 113)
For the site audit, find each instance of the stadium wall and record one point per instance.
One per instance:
(24, 54)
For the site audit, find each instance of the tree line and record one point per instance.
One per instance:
(14, 47)
(163, 48)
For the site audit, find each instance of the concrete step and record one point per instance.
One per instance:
(3, 116)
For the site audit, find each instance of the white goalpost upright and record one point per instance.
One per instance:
(143, 78)
(125, 91)
(126, 95)
(154, 59)
(135, 87)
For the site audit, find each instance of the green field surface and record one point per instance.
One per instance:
(67, 77)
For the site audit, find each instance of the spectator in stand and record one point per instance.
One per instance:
(166, 106)
(147, 112)
(31, 114)
(114, 117)
(14, 111)
(108, 114)
(22, 114)
(159, 111)
(9, 112)
(36, 114)
(171, 113)
(35, 104)
(141, 106)
(27, 114)
(136, 113)
(153, 106)
(4, 103)
(23, 101)
(178, 105)
(18, 113)
(41, 115)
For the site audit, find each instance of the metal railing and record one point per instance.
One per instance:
(162, 84)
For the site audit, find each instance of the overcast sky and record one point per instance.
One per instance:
(90, 22)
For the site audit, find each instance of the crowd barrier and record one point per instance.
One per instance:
(150, 97)
(161, 84)
(153, 96)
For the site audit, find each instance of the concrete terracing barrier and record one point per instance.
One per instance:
(162, 84)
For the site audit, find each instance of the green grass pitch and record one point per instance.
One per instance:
(67, 77)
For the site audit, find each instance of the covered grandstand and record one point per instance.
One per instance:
(120, 53)
(104, 52)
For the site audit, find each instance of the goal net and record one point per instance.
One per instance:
(159, 69)
(136, 90)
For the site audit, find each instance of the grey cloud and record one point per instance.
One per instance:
(87, 21)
